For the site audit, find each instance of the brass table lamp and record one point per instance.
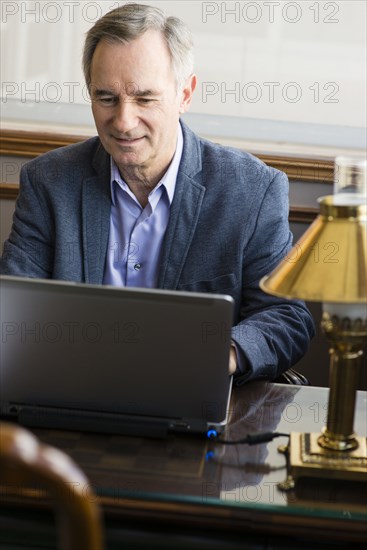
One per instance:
(329, 264)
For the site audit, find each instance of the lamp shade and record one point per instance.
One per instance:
(329, 262)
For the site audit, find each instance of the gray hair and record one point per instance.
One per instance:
(130, 21)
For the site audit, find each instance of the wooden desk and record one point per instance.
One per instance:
(186, 492)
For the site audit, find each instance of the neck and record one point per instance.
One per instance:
(142, 180)
(139, 183)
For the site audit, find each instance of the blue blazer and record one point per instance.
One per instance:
(228, 227)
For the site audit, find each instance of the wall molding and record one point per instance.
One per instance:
(9, 191)
(303, 214)
(31, 144)
(302, 169)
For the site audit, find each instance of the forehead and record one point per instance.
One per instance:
(141, 62)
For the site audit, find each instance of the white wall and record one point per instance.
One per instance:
(296, 62)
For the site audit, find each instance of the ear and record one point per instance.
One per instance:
(187, 92)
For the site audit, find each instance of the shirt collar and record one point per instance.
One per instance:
(168, 179)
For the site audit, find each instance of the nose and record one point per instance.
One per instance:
(126, 118)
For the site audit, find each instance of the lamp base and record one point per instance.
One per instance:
(305, 458)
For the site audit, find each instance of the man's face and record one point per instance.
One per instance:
(135, 103)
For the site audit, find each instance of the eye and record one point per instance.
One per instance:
(144, 100)
(108, 100)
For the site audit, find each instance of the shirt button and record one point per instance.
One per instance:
(137, 267)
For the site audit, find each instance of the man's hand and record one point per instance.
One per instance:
(232, 360)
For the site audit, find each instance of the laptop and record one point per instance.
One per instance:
(134, 361)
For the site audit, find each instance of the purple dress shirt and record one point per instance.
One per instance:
(137, 233)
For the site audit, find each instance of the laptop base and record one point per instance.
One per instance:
(102, 422)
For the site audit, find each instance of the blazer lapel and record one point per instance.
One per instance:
(185, 211)
(184, 215)
(96, 209)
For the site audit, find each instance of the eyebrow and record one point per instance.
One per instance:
(145, 93)
(137, 93)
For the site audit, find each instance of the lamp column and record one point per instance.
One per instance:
(346, 337)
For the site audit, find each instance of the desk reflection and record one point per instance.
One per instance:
(190, 470)
(246, 470)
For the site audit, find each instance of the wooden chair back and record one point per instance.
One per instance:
(23, 457)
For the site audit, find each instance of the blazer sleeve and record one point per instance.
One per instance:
(272, 333)
(28, 251)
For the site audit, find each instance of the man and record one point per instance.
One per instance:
(149, 203)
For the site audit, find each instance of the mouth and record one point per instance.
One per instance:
(128, 141)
